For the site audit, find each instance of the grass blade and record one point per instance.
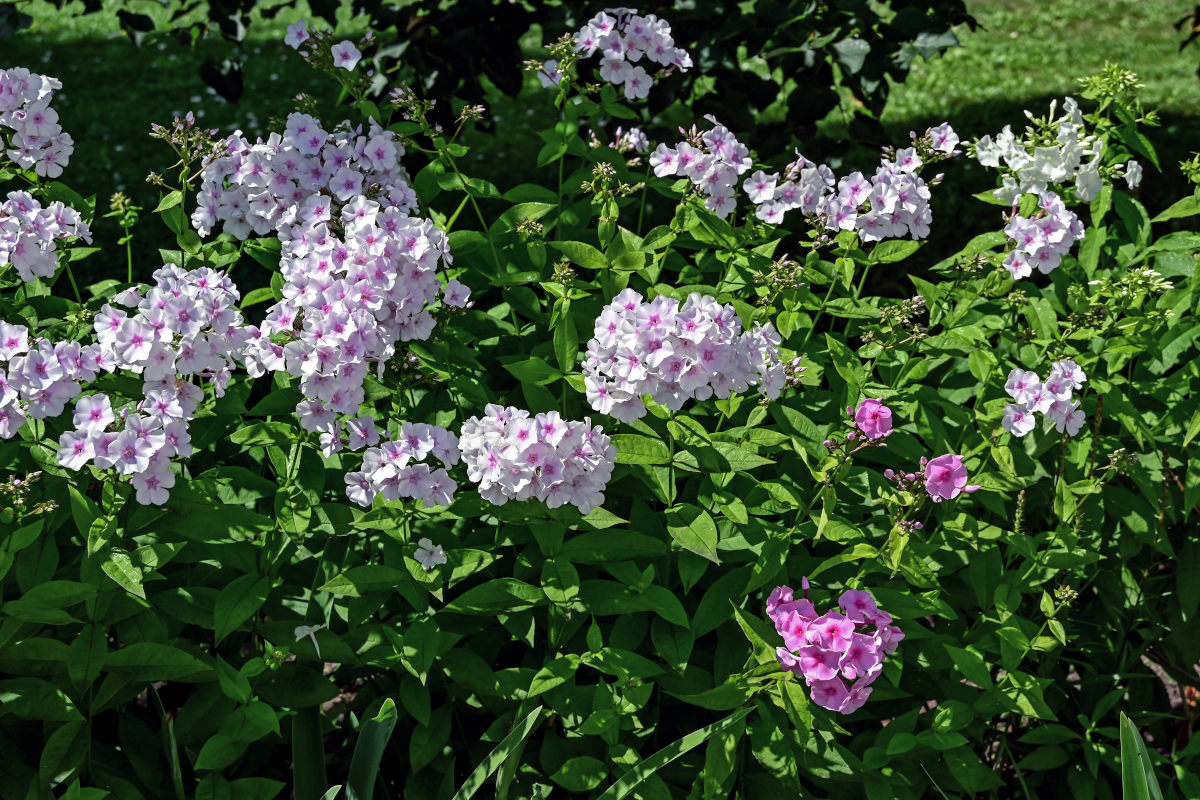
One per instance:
(634, 777)
(368, 752)
(308, 755)
(515, 739)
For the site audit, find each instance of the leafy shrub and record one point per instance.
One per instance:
(208, 591)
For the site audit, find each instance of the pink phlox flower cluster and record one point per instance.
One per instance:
(515, 456)
(1052, 397)
(713, 166)
(675, 353)
(29, 234)
(830, 649)
(396, 469)
(347, 301)
(295, 177)
(1043, 239)
(622, 36)
(30, 126)
(1032, 165)
(892, 203)
(38, 378)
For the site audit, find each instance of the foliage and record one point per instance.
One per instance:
(258, 631)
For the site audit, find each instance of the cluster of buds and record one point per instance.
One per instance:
(470, 113)
(793, 372)
(899, 322)
(1120, 461)
(563, 274)
(412, 108)
(529, 228)
(191, 143)
(909, 525)
(604, 184)
(783, 276)
(15, 492)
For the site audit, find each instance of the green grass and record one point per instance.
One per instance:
(1034, 49)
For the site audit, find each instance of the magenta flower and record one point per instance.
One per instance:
(873, 418)
(832, 649)
(946, 478)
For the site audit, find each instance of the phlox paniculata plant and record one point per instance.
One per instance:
(383, 454)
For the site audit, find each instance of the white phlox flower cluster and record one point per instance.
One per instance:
(29, 125)
(1042, 240)
(894, 202)
(515, 456)
(259, 188)
(346, 301)
(138, 442)
(396, 468)
(187, 324)
(712, 164)
(622, 37)
(674, 353)
(38, 379)
(1053, 398)
(1034, 165)
(29, 234)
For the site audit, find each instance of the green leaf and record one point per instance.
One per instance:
(118, 566)
(170, 200)
(508, 747)
(495, 596)
(894, 250)
(1138, 781)
(357, 581)
(633, 448)
(580, 774)
(373, 737)
(636, 776)
(308, 755)
(238, 602)
(845, 362)
(533, 370)
(1193, 428)
(1187, 207)
(694, 530)
(264, 434)
(86, 656)
(149, 661)
(585, 255)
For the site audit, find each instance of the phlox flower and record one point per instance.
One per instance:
(946, 478)
(297, 34)
(873, 418)
(429, 555)
(1018, 419)
(345, 55)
